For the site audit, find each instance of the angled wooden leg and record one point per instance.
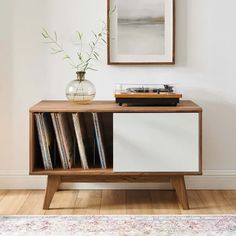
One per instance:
(52, 186)
(180, 188)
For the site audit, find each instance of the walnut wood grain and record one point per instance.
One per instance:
(148, 95)
(58, 175)
(180, 188)
(101, 172)
(200, 143)
(116, 179)
(110, 106)
(53, 184)
(31, 142)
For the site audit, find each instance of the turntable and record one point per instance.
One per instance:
(146, 95)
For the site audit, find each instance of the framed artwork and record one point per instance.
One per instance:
(141, 31)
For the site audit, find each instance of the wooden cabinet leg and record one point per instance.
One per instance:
(180, 188)
(52, 186)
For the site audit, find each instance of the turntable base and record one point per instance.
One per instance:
(148, 99)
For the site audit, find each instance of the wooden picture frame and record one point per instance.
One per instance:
(141, 32)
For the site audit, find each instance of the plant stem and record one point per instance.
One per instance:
(62, 49)
(93, 48)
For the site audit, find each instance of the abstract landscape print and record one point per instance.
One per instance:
(141, 31)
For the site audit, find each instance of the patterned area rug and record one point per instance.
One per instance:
(118, 225)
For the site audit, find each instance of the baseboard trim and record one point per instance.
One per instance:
(211, 179)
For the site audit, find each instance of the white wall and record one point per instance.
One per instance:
(205, 72)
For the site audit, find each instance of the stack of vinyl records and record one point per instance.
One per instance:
(66, 135)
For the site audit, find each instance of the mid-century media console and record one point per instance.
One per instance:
(143, 144)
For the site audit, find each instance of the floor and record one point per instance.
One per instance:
(90, 202)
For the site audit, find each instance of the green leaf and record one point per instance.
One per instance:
(104, 41)
(79, 56)
(94, 34)
(95, 56)
(44, 35)
(58, 51)
(90, 68)
(45, 31)
(80, 35)
(113, 10)
(66, 57)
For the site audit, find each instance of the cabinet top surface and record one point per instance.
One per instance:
(110, 106)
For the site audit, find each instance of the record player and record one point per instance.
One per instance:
(147, 95)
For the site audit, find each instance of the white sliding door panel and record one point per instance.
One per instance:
(156, 142)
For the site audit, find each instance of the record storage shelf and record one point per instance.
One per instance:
(59, 175)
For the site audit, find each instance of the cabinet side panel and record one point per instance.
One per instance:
(200, 142)
(31, 142)
(156, 142)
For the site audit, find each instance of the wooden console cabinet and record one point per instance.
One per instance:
(144, 144)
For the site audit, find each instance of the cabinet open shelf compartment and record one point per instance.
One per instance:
(106, 124)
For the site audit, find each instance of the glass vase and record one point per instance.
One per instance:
(80, 90)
